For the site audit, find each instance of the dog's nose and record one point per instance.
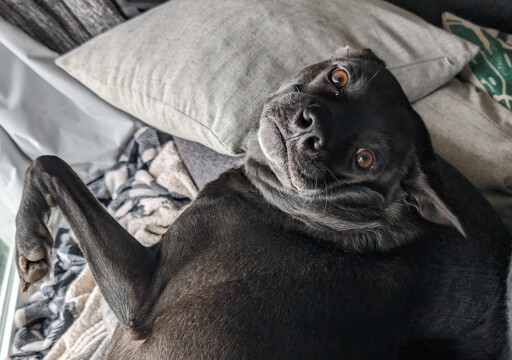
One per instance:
(308, 130)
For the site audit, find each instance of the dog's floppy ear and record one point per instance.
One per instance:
(350, 52)
(342, 52)
(428, 204)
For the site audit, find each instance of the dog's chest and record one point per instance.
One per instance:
(264, 279)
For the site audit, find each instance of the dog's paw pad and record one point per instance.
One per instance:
(33, 266)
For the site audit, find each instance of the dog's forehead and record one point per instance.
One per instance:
(308, 73)
(355, 64)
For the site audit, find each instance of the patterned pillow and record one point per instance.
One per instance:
(491, 69)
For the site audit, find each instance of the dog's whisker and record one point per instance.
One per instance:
(334, 176)
(326, 197)
(374, 75)
(314, 194)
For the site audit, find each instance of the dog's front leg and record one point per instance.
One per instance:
(122, 267)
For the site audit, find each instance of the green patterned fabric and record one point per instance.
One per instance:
(491, 69)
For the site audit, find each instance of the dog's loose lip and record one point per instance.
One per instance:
(281, 136)
(284, 156)
(275, 131)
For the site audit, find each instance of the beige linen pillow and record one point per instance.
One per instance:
(474, 134)
(202, 69)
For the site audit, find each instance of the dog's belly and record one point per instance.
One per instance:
(262, 319)
(274, 317)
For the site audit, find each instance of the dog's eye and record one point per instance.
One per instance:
(364, 158)
(339, 78)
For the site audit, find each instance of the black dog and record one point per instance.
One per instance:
(341, 237)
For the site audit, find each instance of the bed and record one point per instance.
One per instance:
(100, 130)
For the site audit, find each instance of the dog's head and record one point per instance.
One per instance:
(339, 147)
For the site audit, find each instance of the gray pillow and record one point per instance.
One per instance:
(473, 133)
(204, 164)
(201, 69)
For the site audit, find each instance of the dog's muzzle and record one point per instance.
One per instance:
(293, 137)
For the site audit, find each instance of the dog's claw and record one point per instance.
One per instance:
(295, 185)
(23, 263)
(24, 285)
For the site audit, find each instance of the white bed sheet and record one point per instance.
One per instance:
(45, 111)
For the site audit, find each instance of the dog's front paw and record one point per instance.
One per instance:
(33, 254)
